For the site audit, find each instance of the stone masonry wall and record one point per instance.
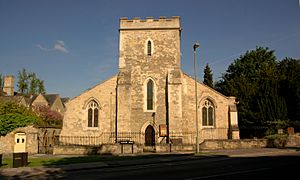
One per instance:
(233, 144)
(221, 104)
(75, 121)
(164, 35)
(7, 142)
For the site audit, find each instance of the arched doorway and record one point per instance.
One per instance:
(149, 136)
(20, 142)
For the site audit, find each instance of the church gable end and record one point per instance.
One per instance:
(102, 117)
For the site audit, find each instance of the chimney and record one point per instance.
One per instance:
(8, 86)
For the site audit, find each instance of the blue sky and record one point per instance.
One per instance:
(73, 45)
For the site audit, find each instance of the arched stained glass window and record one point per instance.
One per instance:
(208, 114)
(93, 114)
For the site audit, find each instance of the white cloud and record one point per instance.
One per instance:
(58, 45)
(42, 48)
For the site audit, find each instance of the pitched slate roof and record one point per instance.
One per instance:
(64, 100)
(16, 99)
(51, 98)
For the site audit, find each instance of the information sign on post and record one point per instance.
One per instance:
(163, 130)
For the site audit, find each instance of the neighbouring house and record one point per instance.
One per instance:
(8, 85)
(7, 94)
(151, 101)
(53, 101)
(30, 139)
(64, 100)
(21, 100)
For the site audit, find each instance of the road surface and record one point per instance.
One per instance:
(217, 167)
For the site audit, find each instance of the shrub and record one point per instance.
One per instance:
(13, 116)
(49, 117)
(276, 140)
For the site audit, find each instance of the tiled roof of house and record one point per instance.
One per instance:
(65, 99)
(51, 98)
(15, 99)
(32, 98)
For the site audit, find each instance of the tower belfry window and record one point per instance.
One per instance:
(149, 52)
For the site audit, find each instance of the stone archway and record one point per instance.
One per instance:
(149, 136)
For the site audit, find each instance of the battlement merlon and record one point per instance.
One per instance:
(150, 23)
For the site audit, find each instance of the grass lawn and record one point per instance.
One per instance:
(7, 161)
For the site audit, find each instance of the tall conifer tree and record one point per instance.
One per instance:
(208, 76)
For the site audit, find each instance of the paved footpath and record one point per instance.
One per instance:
(55, 172)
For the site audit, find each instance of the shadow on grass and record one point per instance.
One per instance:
(56, 161)
(104, 158)
(4, 165)
(6, 162)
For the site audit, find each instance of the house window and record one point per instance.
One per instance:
(208, 113)
(150, 93)
(93, 114)
(149, 52)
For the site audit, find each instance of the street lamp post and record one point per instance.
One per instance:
(196, 45)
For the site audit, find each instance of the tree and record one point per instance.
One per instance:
(272, 107)
(289, 86)
(253, 79)
(1, 81)
(208, 76)
(33, 83)
(13, 116)
(23, 81)
(49, 118)
(29, 83)
(41, 88)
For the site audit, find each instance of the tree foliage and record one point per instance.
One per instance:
(49, 117)
(40, 87)
(29, 83)
(289, 86)
(253, 78)
(33, 83)
(13, 116)
(208, 76)
(1, 81)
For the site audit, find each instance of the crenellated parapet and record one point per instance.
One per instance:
(150, 23)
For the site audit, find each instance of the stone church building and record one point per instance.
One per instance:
(150, 101)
